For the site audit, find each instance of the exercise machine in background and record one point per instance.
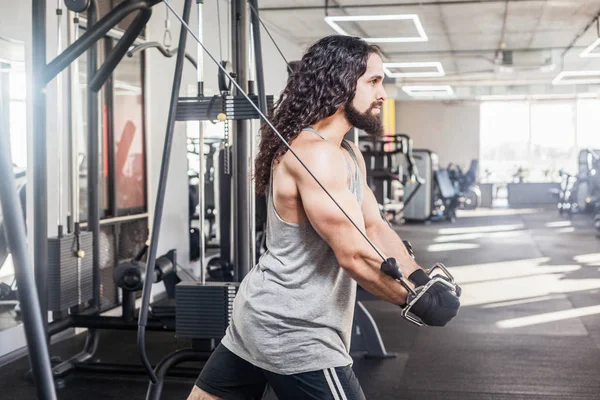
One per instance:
(390, 166)
(465, 184)
(437, 200)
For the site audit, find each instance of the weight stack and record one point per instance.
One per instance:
(204, 311)
(70, 278)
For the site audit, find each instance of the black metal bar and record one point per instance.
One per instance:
(224, 206)
(116, 323)
(243, 247)
(120, 49)
(258, 59)
(110, 151)
(163, 50)
(178, 357)
(58, 326)
(128, 306)
(384, 5)
(91, 36)
(35, 330)
(161, 193)
(93, 189)
(39, 175)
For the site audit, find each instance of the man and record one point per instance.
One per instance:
(293, 313)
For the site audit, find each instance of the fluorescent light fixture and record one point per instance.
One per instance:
(500, 97)
(332, 21)
(428, 91)
(588, 52)
(545, 96)
(406, 65)
(559, 78)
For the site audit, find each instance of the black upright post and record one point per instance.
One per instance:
(161, 192)
(39, 175)
(224, 206)
(260, 73)
(244, 222)
(93, 158)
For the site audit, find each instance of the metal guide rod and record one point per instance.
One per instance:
(59, 116)
(201, 200)
(75, 120)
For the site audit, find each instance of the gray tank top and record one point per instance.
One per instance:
(293, 311)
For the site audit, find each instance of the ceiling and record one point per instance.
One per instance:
(488, 49)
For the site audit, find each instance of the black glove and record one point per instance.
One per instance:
(438, 305)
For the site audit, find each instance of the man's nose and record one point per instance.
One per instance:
(382, 95)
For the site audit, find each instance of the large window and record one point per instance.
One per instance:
(537, 138)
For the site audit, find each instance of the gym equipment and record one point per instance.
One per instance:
(200, 109)
(77, 6)
(567, 195)
(437, 200)
(385, 159)
(413, 298)
(446, 198)
(465, 185)
(70, 269)
(581, 192)
(420, 208)
(84, 314)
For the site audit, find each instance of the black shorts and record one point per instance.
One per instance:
(230, 377)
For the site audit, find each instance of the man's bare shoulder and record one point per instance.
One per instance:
(323, 158)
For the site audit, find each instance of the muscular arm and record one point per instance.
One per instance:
(352, 251)
(378, 230)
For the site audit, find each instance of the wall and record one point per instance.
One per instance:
(449, 129)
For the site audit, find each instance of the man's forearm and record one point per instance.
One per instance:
(388, 241)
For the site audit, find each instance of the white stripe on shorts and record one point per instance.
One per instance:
(331, 385)
(338, 384)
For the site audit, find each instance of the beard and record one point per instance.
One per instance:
(366, 121)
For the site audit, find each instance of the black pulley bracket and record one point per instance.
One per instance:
(224, 81)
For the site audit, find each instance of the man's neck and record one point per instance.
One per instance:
(333, 128)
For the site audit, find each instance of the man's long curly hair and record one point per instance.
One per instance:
(324, 80)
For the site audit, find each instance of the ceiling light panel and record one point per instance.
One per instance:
(589, 51)
(419, 36)
(405, 67)
(428, 91)
(577, 78)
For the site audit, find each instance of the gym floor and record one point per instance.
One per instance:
(530, 313)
